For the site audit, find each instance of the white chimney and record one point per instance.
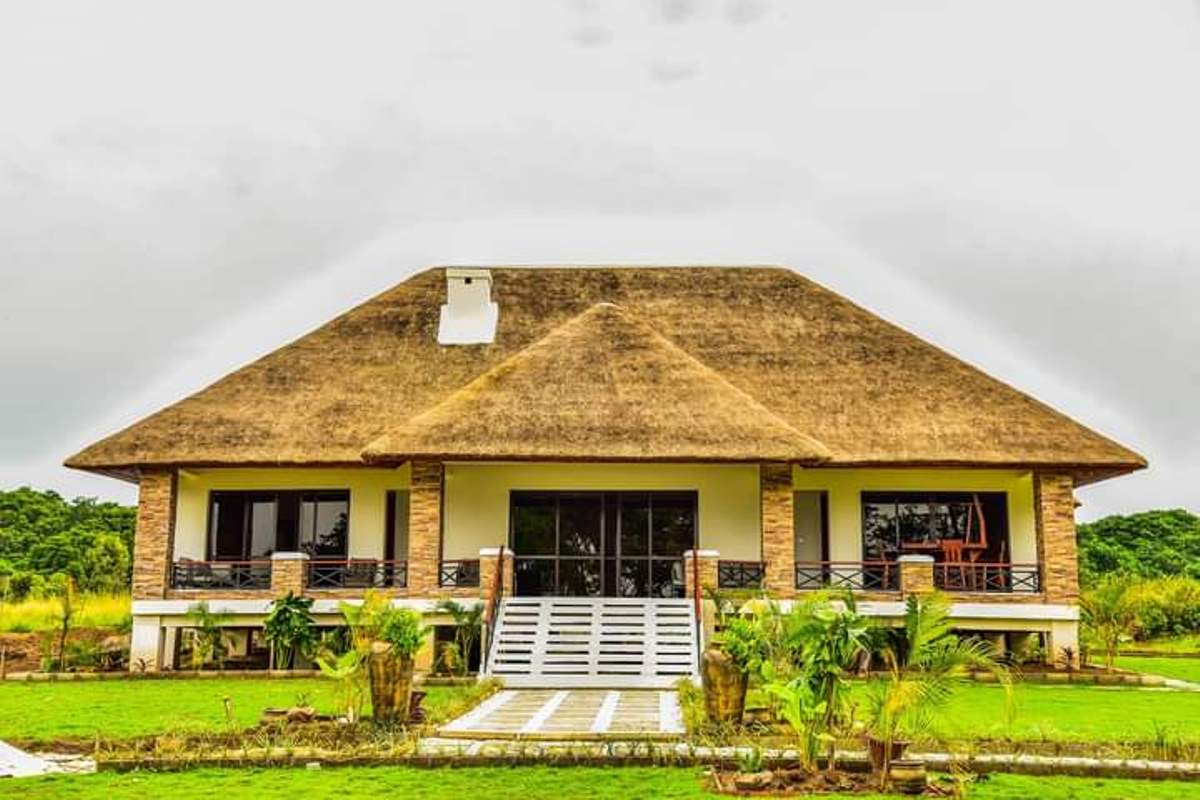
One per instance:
(469, 315)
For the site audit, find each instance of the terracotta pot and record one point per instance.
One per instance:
(907, 776)
(391, 679)
(875, 749)
(724, 687)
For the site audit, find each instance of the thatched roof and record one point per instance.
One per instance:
(827, 370)
(659, 403)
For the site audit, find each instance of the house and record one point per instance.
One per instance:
(582, 449)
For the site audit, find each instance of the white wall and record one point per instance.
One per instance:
(476, 503)
(845, 506)
(368, 500)
(477, 499)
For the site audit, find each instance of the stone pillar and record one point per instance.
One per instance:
(916, 574)
(702, 561)
(1054, 508)
(489, 559)
(154, 538)
(288, 573)
(778, 529)
(705, 562)
(146, 644)
(425, 528)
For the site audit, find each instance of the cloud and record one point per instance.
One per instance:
(180, 195)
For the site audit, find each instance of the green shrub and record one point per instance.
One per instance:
(1166, 606)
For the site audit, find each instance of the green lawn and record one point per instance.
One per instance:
(528, 783)
(1189, 643)
(1185, 669)
(1070, 714)
(44, 712)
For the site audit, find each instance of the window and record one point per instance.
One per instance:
(592, 544)
(973, 525)
(253, 525)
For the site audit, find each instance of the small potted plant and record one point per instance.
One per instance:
(399, 634)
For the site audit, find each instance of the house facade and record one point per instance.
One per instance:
(591, 453)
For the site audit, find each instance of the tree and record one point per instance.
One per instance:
(105, 565)
(42, 534)
(1110, 615)
(289, 629)
(1150, 544)
(67, 607)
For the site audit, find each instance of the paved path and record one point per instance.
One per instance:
(571, 713)
(16, 763)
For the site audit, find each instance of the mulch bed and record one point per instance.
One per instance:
(778, 782)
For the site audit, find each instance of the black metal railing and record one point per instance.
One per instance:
(459, 574)
(221, 575)
(860, 576)
(740, 574)
(996, 577)
(356, 574)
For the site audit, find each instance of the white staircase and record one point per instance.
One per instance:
(614, 643)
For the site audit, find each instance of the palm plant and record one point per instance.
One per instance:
(289, 629)
(1109, 615)
(921, 682)
(208, 639)
(468, 626)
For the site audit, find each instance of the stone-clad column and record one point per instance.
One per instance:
(778, 529)
(1054, 507)
(154, 537)
(288, 573)
(489, 559)
(916, 574)
(704, 563)
(425, 527)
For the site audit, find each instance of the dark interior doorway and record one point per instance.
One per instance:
(601, 544)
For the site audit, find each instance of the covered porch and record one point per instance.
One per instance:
(609, 530)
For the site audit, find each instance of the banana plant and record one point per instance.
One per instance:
(347, 671)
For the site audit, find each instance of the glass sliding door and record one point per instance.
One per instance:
(593, 544)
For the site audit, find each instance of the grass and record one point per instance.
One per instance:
(45, 712)
(1184, 669)
(40, 614)
(59, 711)
(1175, 644)
(1092, 714)
(529, 783)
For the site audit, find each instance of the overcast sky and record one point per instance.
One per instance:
(184, 187)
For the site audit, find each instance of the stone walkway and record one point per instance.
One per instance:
(16, 763)
(570, 713)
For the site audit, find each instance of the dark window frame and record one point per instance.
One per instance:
(603, 556)
(998, 500)
(343, 495)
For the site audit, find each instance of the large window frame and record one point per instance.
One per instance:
(921, 520)
(663, 573)
(288, 534)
